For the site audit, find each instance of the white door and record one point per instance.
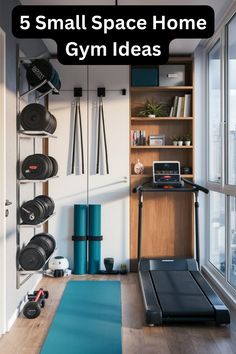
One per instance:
(3, 208)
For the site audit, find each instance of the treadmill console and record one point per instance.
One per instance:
(166, 174)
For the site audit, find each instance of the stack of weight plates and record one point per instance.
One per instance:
(35, 254)
(35, 117)
(35, 211)
(39, 166)
(38, 71)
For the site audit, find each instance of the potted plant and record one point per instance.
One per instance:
(187, 140)
(175, 140)
(180, 140)
(152, 109)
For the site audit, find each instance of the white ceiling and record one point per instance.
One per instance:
(178, 46)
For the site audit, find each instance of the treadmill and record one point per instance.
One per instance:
(174, 290)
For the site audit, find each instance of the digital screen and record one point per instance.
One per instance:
(166, 168)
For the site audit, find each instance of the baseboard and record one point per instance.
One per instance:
(14, 316)
(227, 293)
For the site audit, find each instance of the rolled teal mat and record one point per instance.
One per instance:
(80, 247)
(95, 231)
(87, 321)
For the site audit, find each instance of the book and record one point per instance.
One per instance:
(175, 106)
(179, 105)
(182, 107)
(171, 111)
(187, 105)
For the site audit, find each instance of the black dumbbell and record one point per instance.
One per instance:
(32, 308)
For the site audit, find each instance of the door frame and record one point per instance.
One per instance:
(3, 182)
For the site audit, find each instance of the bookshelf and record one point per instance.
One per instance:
(168, 220)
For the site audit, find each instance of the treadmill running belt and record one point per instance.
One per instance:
(179, 294)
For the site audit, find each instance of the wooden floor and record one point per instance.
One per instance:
(27, 336)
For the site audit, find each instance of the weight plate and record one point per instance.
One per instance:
(55, 165)
(35, 117)
(31, 309)
(37, 166)
(52, 125)
(38, 71)
(32, 257)
(31, 213)
(49, 202)
(43, 242)
(43, 207)
(50, 237)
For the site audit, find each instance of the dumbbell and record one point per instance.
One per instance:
(32, 308)
(35, 117)
(38, 71)
(39, 166)
(34, 255)
(35, 211)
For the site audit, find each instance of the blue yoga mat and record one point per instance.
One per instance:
(87, 321)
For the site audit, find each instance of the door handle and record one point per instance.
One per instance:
(7, 203)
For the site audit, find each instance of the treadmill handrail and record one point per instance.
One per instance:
(196, 187)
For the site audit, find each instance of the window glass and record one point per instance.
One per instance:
(231, 101)
(214, 110)
(217, 230)
(232, 233)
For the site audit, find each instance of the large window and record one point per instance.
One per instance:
(231, 98)
(214, 112)
(222, 156)
(217, 230)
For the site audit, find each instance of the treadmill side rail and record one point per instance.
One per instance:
(153, 313)
(222, 315)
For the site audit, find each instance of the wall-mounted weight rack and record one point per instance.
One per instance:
(22, 275)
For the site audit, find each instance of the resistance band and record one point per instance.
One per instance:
(74, 137)
(101, 118)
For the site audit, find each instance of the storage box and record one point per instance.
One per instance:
(172, 75)
(157, 140)
(144, 77)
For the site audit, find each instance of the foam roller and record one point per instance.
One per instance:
(94, 233)
(79, 238)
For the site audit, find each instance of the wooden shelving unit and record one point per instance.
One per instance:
(168, 219)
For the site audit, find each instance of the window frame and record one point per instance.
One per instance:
(227, 189)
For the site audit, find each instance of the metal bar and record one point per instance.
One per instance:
(46, 93)
(196, 208)
(33, 89)
(140, 220)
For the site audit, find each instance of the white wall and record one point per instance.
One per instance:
(111, 190)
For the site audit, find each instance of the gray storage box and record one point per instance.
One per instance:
(172, 75)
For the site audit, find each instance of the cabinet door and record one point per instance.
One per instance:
(68, 189)
(111, 190)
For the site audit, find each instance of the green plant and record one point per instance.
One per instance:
(181, 138)
(187, 137)
(175, 138)
(152, 108)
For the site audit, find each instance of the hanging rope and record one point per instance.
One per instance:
(74, 142)
(101, 118)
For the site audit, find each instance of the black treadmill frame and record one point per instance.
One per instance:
(153, 310)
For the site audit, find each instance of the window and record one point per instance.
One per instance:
(231, 101)
(232, 232)
(214, 113)
(221, 97)
(217, 230)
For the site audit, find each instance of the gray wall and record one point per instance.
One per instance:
(30, 47)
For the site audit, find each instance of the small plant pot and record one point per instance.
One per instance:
(175, 143)
(187, 143)
(151, 116)
(180, 143)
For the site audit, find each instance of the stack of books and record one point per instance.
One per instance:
(181, 106)
(138, 137)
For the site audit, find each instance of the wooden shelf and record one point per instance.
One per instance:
(162, 147)
(160, 88)
(147, 119)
